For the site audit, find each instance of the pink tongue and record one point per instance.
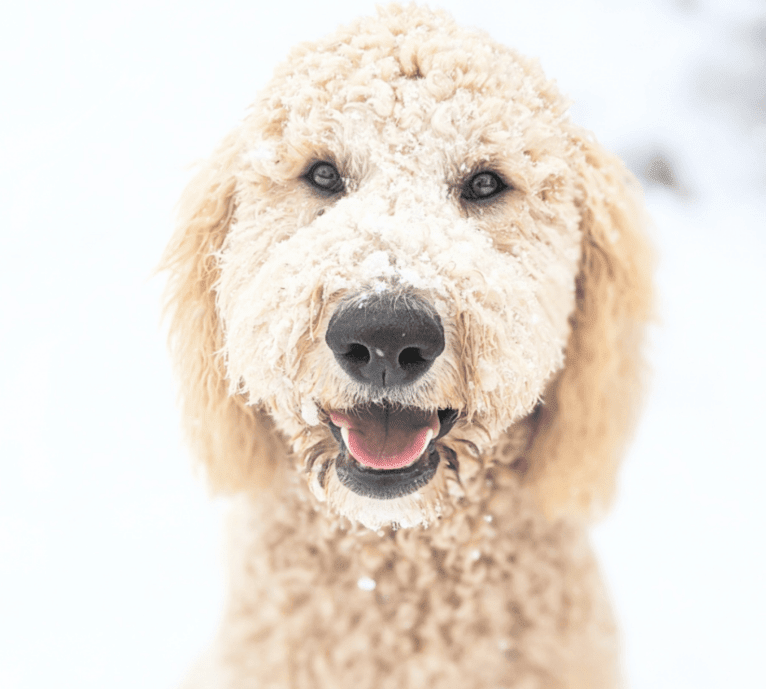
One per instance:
(387, 439)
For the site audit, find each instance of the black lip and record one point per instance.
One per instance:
(387, 484)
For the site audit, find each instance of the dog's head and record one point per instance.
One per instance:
(404, 245)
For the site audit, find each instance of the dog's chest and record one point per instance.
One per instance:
(495, 572)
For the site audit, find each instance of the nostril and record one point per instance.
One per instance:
(357, 353)
(410, 357)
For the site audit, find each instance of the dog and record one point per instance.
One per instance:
(407, 297)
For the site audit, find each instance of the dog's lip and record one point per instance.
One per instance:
(387, 484)
(386, 438)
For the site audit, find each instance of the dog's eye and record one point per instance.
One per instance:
(325, 178)
(483, 185)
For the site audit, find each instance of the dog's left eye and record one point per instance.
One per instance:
(483, 185)
(325, 178)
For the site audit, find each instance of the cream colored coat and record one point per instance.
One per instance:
(482, 578)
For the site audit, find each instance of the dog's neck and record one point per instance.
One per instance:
(288, 529)
(488, 566)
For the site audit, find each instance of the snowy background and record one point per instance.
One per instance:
(110, 566)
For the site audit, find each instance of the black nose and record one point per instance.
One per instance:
(385, 340)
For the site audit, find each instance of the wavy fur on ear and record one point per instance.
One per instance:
(591, 407)
(235, 442)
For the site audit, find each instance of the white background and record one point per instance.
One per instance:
(110, 565)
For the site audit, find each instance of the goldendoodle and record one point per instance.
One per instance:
(407, 298)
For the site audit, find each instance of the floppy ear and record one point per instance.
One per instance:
(236, 443)
(590, 408)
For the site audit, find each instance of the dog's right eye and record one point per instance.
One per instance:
(324, 177)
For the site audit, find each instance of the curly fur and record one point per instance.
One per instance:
(543, 296)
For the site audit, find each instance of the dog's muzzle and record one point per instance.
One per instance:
(387, 341)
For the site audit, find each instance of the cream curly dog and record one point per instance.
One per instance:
(407, 299)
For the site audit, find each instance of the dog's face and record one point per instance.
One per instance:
(402, 257)
(388, 261)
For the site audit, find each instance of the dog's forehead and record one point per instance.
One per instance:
(422, 85)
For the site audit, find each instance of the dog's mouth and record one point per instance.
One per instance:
(388, 452)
